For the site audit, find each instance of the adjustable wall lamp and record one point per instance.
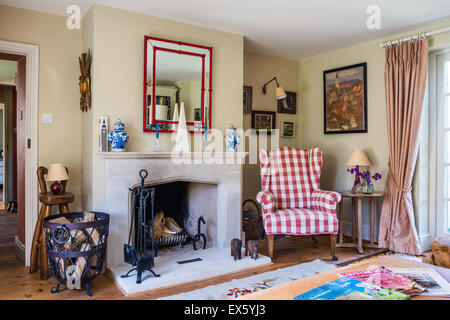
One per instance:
(279, 91)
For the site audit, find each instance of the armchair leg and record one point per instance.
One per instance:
(270, 240)
(333, 238)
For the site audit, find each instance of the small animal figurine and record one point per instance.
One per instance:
(251, 248)
(236, 246)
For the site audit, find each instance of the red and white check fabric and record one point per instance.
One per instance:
(291, 199)
(300, 222)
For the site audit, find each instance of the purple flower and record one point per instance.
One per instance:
(365, 174)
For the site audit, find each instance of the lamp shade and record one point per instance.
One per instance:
(280, 93)
(57, 172)
(358, 158)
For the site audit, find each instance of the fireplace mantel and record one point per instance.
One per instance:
(168, 155)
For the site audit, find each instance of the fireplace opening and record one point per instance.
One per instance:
(178, 208)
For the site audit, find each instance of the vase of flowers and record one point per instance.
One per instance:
(366, 185)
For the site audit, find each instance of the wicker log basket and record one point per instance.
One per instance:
(252, 221)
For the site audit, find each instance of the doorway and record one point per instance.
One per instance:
(26, 140)
(10, 220)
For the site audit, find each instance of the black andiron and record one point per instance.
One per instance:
(199, 234)
(136, 255)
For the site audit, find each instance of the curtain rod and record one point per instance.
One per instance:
(422, 35)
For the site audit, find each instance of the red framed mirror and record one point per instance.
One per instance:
(177, 75)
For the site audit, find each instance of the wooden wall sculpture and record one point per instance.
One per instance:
(85, 81)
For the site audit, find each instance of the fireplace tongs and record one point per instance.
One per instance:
(136, 256)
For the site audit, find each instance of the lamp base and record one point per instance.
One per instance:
(56, 187)
(357, 184)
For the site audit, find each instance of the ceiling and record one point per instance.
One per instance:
(287, 28)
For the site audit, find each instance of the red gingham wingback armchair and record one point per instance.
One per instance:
(291, 199)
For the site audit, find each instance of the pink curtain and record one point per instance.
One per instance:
(405, 81)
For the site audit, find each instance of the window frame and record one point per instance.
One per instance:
(437, 200)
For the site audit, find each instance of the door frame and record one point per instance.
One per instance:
(31, 52)
(5, 181)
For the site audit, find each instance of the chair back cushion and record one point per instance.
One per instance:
(291, 175)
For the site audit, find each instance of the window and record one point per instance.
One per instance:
(443, 143)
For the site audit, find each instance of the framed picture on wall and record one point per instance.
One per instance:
(197, 114)
(263, 120)
(288, 104)
(345, 99)
(247, 99)
(287, 129)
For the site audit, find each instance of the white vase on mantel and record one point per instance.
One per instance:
(182, 137)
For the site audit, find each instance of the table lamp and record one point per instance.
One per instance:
(357, 158)
(57, 172)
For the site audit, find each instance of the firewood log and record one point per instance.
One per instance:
(81, 261)
(92, 232)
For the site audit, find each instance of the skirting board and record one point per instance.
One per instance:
(424, 239)
(365, 231)
(19, 248)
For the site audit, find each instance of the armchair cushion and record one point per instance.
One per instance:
(300, 222)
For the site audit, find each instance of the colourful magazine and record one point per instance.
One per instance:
(387, 279)
(350, 289)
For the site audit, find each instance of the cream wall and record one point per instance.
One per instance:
(117, 39)
(337, 147)
(258, 69)
(58, 86)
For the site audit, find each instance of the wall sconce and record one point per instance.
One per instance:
(279, 91)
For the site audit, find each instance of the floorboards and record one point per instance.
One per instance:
(17, 283)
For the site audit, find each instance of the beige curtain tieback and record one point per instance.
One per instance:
(396, 185)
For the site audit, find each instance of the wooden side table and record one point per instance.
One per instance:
(48, 199)
(357, 218)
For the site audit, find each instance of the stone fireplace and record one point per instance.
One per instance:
(212, 190)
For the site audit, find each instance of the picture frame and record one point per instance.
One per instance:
(345, 99)
(288, 104)
(263, 120)
(287, 129)
(197, 114)
(247, 99)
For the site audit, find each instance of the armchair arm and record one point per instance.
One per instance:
(325, 201)
(267, 201)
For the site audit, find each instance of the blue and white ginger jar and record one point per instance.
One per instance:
(118, 137)
(232, 139)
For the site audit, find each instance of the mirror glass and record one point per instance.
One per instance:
(181, 75)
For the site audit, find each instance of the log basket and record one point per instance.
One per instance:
(252, 221)
(76, 247)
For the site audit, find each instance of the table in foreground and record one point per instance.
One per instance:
(289, 290)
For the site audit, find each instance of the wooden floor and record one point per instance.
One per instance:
(17, 283)
(8, 231)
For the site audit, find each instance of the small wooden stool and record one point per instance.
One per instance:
(48, 200)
